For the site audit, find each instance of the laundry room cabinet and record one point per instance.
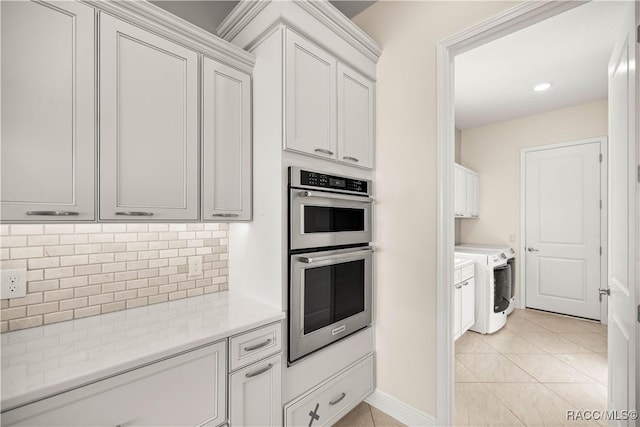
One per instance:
(465, 192)
(464, 296)
(48, 111)
(329, 106)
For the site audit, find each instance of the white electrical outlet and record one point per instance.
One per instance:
(14, 283)
(195, 265)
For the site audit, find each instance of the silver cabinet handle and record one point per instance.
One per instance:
(323, 195)
(226, 215)
(53, 213)
(353, 159)
(323, 151)
(338, 399)
(458, 286)
(465, 283)
(532, 250)
(257, 346)
(134, 213)
(356, 253)
(261, 371)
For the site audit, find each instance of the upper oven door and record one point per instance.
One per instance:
(320, 219)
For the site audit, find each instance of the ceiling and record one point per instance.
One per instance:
(494, 82)
(208, 14)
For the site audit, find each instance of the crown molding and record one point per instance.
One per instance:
(321, 10)
(155, 19)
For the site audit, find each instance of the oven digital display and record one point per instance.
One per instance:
(337, 183)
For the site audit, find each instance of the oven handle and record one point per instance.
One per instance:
(323, 195)
(309, 260)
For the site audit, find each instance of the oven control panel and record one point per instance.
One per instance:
(333, 182)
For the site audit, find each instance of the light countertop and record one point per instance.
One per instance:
(47, 360)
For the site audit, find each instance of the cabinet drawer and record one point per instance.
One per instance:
(329, 402)
(184, 390)
(254, 345)
(467, 273)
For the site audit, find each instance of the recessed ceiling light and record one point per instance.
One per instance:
(542, 87)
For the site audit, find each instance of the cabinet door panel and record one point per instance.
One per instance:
(468, 304)
(457, 311)
(185, 390)
(48, 110)
(460, 196)
(310, 118)
(255, 395)
(355, 118)
(149, 124)
(226, 143)
(472, 195)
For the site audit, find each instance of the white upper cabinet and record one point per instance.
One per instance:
(226, 138)
(48, 111)
(355, 117)
(148, 125)
(310, 89)
(465, 192)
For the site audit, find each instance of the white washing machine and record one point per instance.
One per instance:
(495, 282)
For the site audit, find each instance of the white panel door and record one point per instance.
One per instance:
(256, 394)
(562, 229)
(226, 139)
(48, 111)
(356, 104)
(623, 220)
(148, 125)
(310, 95)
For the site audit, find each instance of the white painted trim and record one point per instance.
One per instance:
(603, 216)
(399, 410)
(322, 10)
(155, 19)
(522, 15)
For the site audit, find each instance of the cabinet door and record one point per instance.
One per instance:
(468, 304)
(460, 190)
(255, 395)
(472, 194)
(355, 118)
(148, 125)
(457, 311)
(310, 99)
(226, 151)
(48, 111)
(185, 390)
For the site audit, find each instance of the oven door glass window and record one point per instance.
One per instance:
(326, 219)
(333, 293)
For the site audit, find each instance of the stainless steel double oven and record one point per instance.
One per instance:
(330, 260)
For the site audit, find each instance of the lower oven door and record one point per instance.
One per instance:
(329, 297)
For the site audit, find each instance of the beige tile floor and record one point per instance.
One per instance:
(365, 415)
(531, 372)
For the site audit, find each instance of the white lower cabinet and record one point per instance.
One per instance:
(327, 403)
(255, 394)
(184, 390)
(464, 300)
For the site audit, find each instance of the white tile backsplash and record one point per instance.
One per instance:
(80, 270)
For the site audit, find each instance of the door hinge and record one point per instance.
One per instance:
(639, 314)
(638, 173)
(600, 250)
(638, 35)
(600, 203)
(600, 157)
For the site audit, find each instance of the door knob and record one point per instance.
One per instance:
(532, 249)
(601, 291)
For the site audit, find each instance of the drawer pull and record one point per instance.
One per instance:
(53, 213)
(465, 283)
(226, 215)
(323, 151)
(134, 213)
(261, 371)
(338, 399)
(458, 286)
(353, 159)
(257, 346)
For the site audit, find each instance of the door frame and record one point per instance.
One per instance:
(603, 140)
(514, 19)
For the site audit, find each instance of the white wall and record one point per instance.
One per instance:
(494, 152)
(405, 230)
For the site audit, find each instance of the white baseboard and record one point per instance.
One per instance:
(402, 412)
